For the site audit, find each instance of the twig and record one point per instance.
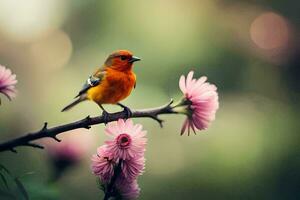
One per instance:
(87, 122)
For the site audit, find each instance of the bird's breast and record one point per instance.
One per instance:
(115, 87)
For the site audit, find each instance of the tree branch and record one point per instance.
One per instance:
(87, 122)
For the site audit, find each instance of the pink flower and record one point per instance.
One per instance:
(7, 82)
(128, 140)
(132, 168)
(129, 191)
(103, 164)
(120, 160)
(202, 100)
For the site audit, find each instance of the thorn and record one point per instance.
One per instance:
(44, 127)
(55, 138)
(35, 145)
(13, 150)
(88, 118)
(168, 104)
(87, 126)
(160, 121)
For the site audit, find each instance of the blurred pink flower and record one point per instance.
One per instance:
(129, 191)
(103, 164)
(63, 155)
(65, 150)
(202, 100)
(128, 140)
(7, 82)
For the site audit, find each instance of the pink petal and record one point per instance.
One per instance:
(182, 84)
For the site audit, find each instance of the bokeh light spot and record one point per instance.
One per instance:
(26, 21)
(53, 51)
(269, 31)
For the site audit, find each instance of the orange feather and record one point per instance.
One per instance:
(115, 86)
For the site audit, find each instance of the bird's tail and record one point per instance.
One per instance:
(74, 103)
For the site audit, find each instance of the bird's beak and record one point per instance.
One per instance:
(134, 59)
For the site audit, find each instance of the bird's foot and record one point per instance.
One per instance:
(128, 112)
(105, 116)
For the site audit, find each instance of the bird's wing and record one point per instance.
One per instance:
(92, 81)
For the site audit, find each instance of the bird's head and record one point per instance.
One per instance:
(121, 60)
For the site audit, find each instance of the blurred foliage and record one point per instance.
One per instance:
(252, 149)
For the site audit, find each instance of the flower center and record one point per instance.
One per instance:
(123, 140)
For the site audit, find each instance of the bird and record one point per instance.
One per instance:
(110, 83)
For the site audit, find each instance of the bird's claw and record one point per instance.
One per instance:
(127, 111)
(105, 116)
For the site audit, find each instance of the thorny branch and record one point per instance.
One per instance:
(45, 132)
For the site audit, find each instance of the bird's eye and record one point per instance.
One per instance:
(123, 57)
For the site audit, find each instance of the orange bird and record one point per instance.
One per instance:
(111, 83)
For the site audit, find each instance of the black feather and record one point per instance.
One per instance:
(71, 105)
(92, 81)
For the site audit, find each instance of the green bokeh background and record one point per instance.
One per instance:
(251, 151)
